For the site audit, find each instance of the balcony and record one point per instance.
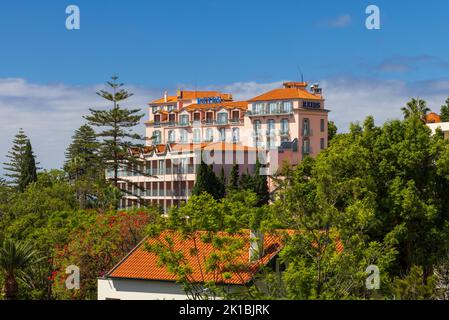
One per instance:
(306, 150)
(183, 124)
(222, 122)
(307, 132)
(284, 132)
(280, 112)
(209, 122)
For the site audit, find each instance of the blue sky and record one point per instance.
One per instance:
(48, 75)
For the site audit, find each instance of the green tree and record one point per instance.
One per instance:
(444, 112)
(117, 137)
(14, 256)
(83, 164)
(233, 180)
(207, 181)
(415, 286)
(28, 172)
(331, 131)
(261, 185)
(15, 156)
(417, 107)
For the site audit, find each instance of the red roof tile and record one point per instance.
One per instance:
(144, 265)
(286, 93)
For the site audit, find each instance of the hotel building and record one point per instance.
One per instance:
(284, 125)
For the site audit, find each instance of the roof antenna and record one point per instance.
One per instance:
(300, 72)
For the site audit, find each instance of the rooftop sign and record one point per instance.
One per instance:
(209, 100)
(311, 105)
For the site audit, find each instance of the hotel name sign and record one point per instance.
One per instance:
(209, 100)
(311, 105)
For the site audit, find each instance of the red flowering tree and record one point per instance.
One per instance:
(95, 247)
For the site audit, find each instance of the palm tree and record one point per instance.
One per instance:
(15, 256)
(415, 107)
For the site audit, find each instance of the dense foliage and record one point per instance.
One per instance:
(376, 196)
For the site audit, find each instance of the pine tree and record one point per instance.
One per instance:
(233, 180)
(28, 172)
(117, 135)
(221, 184)
(261, 185)
(15, 156)
(83, 163)
(207, 181)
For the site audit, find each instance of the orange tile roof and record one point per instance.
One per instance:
(286, 93)
(243, 105)
(144, 265)
(170, 99)
(433, 118)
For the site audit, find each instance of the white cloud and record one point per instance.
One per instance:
(50, 113)
(341, 21)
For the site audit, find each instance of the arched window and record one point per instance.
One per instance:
(196, 135)
(184, 120)
(284, 127)
(222, 134)
(306, 127)
(235, 135)
(171, 136)
(209, 135)
(222, 117)
(183, 136)
(157, 137)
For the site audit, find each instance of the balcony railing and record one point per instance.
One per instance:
(222, 122)
(307, 132)
(253, 113)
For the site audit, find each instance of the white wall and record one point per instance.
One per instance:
(139, 290)
(444, 126)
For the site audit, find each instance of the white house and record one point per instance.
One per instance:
(140, 276)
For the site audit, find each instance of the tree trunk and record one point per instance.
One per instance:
(11, 287)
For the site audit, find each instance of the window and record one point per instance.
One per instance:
(306, 146)
(184, 120)
(196, 136)
(288, 107)
(322, 146)
(306, 127)
(322, 126)
(196, 118)
(271, 125)
(257, 126)
(222, 118)
(257, 108)
(171, 136)
(285, 127)
(183, 138)
(170, 108)
(157, 137)
(222, 134)
(161, 167)
(209, 135)
(235, 135)
(273, 108)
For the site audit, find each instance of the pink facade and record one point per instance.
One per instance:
(283, 126)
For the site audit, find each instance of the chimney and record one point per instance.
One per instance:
(165, 96)
(256, 250)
